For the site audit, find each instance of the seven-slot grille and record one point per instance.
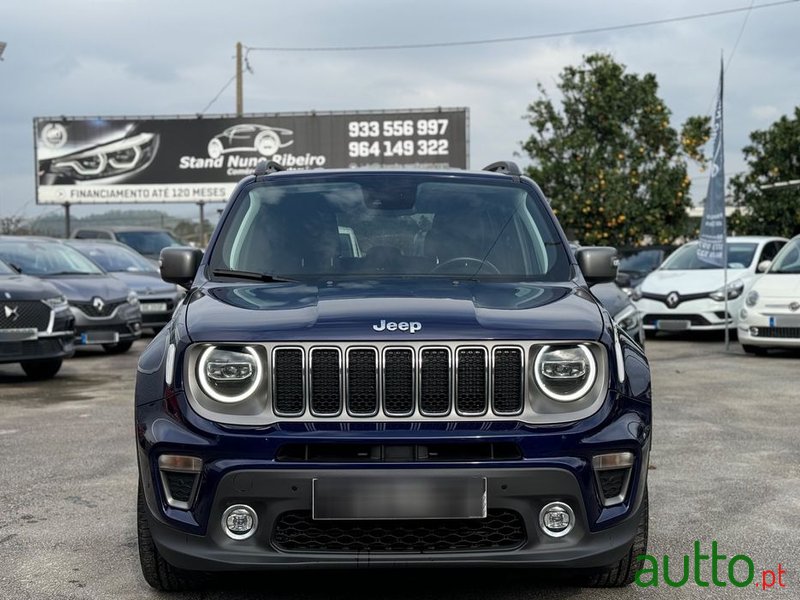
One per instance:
(431, 381)
(26, 314)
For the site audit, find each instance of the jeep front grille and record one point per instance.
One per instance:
(428, 381)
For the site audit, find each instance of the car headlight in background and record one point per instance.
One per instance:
(565, 373)
(133, 299)
(752, 299)
(637, 293)
(735, 289)
(56, 303)
(229, 374)
(627, 318)
(116, 158)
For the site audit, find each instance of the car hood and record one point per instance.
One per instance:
(778, 285)
(696, 281)
(82, 288)
(145, 284)
(349, 310)
(23, 287)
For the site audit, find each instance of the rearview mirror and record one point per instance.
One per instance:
(179, 265)
(598, 263)
(764, 266)
(623, 280)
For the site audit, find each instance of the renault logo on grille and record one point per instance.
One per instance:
(11, 312)
(673, 299)
(98, 304)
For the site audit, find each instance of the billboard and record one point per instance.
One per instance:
(97, 160)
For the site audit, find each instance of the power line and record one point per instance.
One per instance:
(503, 40)
(219, 93)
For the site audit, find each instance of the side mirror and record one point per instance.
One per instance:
(179, 265)
(598, 263)
(764, 266)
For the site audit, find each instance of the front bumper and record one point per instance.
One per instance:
(58, 344)
(704, 314)
(274, 493)
(124, 324)
(775, 329)
(243, 466)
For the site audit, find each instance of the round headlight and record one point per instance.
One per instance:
(752, 299)
(229, 374)
(565, 373)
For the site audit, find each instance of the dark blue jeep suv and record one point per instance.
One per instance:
(438, 386)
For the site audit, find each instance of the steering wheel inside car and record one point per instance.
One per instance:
(465, 262)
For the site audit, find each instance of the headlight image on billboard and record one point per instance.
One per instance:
(94, 160)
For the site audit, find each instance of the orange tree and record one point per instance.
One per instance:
(611, 164)
(772, 156)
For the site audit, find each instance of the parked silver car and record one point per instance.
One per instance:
(106, 310)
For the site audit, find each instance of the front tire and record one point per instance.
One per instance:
(118, 348)
(623, 572)
(158, 572)
(39, 370)
(757, 350)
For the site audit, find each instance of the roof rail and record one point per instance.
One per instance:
(503, 166)
(266, 167)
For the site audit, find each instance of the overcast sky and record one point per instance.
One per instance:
(143, 57)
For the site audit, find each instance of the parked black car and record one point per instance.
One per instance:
(36, 325)
(147, 241)
(106, 310)
(622, 309)
(157, 299)
(637, 262)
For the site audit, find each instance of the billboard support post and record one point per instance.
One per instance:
(202, 233)
(239, 90)
(67, 224)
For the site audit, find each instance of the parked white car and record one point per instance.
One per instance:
(687, 294)
(770, 317)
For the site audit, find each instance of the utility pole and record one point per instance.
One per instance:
(67, 224)
(202, 235)
(239, 91)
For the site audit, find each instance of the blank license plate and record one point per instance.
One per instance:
(785, 321)
(17, 335)
(153, 307)
(348, 498)
(673, 325)
(99, 337)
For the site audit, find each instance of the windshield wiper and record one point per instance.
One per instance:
(72, 273)
(252, 275)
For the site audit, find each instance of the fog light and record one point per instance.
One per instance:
(239, 521)
(556, 519)
(754, 331)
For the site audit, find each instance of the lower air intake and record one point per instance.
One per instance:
(298, 532)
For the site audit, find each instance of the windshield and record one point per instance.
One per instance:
(740, 255)
(788, 259)
(47, 258)
(115, 258)
(371, 225)
(641, 261)
(148, 242)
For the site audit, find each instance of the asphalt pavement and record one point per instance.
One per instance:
(725, 468)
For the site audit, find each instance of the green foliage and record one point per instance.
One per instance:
(772, 156)
(611, 164)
